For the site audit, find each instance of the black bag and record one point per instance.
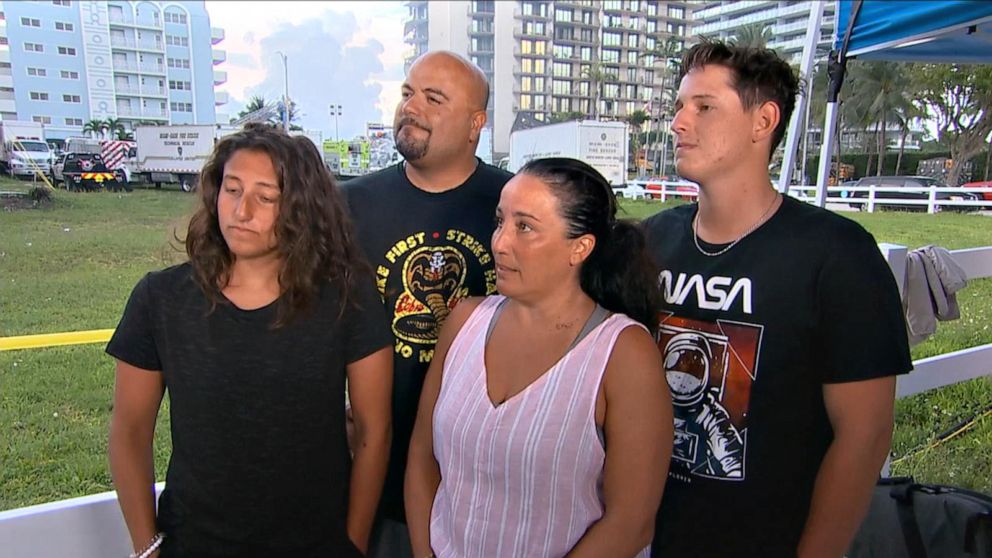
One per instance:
(909, 520)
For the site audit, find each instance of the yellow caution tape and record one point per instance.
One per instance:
(55, 339)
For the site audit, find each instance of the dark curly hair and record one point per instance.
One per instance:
(760, 75)
(619, 274)
(314, 235)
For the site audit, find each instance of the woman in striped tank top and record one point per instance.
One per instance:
(545, 424)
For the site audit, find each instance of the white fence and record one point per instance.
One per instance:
(869, 198)
(92, 526)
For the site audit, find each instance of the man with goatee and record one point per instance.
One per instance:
(425, 225)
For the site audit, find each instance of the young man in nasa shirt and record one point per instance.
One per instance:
(781, 333)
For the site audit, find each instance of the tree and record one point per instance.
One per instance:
(755, 35)
(115, 128)
(597, 77)
(667, 61)
(93, 127)
(881, 94)
(636, 119)
(959, 98)
(567, 116)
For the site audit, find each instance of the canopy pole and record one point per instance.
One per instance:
(836, 70)
(796, 123)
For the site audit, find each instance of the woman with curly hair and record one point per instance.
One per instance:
(254, 338)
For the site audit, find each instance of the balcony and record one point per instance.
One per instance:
(134, 112)
(219, 55)
(221, 98)
(216, 35)
(120, 19)
(220, 77)
(145, 21)
(135, 68)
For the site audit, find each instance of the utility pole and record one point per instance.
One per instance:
(336, 112)
(285, 97)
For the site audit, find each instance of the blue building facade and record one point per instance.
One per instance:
(68, 62)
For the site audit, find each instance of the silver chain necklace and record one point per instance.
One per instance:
(695, 231)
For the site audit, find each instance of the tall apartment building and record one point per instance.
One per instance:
(65, 62)
(786, 21)
(542, 57)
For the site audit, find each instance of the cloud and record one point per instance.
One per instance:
(241, 60)
(342, 53)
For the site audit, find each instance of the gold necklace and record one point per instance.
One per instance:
(695, 231)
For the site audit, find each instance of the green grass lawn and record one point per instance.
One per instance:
(71, 267)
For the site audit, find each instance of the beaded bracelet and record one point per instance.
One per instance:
(152, 547)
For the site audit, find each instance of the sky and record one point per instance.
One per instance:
(342, 53)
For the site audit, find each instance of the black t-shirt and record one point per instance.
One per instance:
(259, 456)
(428, 251)
(748, 339)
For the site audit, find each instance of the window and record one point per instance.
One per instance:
(586, 53)
(631, 74)
(631, 91)
(525, 84)
(632, 57)
(65, 3)
(611, 56)
(539, 47)
(73, 121)
(612, 5)
(37, 72)
(71, 99)
(38, 96)
(526, 47)
(172, 17)
(178, 85)
(539, 66)
(181, 107)
(525, 102)
(67, 51)
(563, 15)
(179, 63)
(652, 26)
(632, 40)
(34, 47)
(611, 39)
(561, 69)
(30, 22)
(63, 26)
(69, 74)
(42, 119)
(611, 90)
(3, 41)
(676, 12)
(175, 40)
(560, 87)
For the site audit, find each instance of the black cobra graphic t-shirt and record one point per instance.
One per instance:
(748, 340)
(427, 251)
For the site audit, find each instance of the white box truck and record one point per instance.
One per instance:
(603, 145)
(23, 151)
(173, 153)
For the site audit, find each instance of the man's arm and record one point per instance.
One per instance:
(137, 397)
(861, 416)
(370, 385)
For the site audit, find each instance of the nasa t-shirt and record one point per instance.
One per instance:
(748, 338)
(427, 251)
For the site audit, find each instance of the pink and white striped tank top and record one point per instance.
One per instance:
(523, 479)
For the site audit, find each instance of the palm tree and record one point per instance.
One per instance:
(636, 119)
(755, 35)
(598, 77)
(115, 128)
(881, 94)
(667, 59)
(93, 127)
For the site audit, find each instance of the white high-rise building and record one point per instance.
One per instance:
(541, 56)
(786, 21)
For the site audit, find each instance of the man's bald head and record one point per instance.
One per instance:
(442, 112)
(474, 79)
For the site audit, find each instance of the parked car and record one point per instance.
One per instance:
(987, 196)
(892, 186)
(86, 171)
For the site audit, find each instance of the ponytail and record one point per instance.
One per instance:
(620, 276)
